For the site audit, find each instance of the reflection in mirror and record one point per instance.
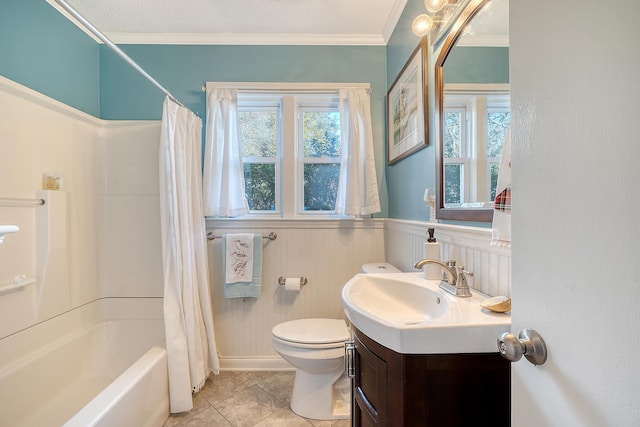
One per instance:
(472, 111)
(476, 119)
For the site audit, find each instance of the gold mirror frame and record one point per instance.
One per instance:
(455, 214)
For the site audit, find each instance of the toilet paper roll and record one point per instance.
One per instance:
(292, 284)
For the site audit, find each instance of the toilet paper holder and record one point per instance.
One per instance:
(283, 279)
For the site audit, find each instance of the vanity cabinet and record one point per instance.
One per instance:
(439, 390)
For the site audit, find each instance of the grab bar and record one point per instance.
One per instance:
(211, 236)
(14, 202)
(19, 282)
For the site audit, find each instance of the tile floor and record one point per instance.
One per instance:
(246, 399)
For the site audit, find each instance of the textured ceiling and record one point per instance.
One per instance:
(255, 21)
(306, 22)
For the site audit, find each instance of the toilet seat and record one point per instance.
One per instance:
(312, 333)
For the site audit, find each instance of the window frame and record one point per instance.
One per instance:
(305, 103)
(265, 102)
(287, 186)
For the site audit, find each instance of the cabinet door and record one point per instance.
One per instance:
(370, 388)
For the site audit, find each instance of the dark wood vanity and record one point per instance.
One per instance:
(437, 390)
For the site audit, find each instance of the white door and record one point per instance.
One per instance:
(575, 93)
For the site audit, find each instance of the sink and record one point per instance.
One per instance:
(410, 314)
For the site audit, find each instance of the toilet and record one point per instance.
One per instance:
(315, 347)
(379, 267)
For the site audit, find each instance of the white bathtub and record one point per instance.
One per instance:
(103, 364)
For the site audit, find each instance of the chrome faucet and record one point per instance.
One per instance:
(454, 280)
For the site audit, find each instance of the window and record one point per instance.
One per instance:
(475, 126)
(291, 152)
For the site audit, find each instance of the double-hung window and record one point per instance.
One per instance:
(291, 144)
(260, 121)
(475, 125)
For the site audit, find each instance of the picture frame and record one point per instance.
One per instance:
(407, 112)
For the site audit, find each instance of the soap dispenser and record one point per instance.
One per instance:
(432, 251)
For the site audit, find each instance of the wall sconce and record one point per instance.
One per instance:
(421, 25)
(440, 11)
(434, 6)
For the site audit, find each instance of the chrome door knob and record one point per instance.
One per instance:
(529, 343)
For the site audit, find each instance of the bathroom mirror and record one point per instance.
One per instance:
(471, 110)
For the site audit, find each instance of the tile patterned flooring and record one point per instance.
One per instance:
(246, 399)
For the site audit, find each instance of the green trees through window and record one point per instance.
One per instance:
(307, 130)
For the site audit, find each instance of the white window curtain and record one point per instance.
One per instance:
(191, 347)
(224, 192)
(357, 185)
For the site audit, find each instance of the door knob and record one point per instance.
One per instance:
(529, 343)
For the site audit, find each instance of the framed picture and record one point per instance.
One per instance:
(407, 119)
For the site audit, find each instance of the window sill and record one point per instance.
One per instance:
(280, 223)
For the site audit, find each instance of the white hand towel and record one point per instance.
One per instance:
(239, 258)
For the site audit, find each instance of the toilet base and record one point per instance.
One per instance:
(315, 396)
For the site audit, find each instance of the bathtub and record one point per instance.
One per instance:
(103, 364)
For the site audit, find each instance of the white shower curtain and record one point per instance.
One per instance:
(191, 348)
(224, 193)
(357, 185)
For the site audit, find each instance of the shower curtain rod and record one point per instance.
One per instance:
(66, 6)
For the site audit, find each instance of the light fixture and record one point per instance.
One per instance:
(434, 6)
(421, 25)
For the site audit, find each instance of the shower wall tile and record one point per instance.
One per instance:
(39, 134)
(132, 261)
(131, 157)
(132, 250)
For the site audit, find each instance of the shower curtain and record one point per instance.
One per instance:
(191, 348)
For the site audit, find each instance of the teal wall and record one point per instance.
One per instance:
(407, 179)
(477, 65)
(185, 69)
(41, 49)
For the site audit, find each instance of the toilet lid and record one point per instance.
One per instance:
(312, 331)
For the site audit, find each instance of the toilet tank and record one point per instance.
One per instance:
(379, 267)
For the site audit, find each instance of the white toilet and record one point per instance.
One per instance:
(379, 267)
(315, 347)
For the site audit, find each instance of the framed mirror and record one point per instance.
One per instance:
(471, 111)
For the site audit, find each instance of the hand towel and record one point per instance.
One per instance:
(501, 232)
(238, 258)
(250, 288)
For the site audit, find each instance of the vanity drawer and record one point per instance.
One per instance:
(370, 387)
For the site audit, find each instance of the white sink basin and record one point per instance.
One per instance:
(409, 314)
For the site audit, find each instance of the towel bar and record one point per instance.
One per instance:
(212, 236)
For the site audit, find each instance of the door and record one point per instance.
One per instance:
(575, 87)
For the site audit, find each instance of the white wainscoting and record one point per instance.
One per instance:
(327, 252)
(469, 246)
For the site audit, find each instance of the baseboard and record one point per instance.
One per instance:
(275, 363)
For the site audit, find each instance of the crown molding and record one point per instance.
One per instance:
(392, 21)
(247, 39)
